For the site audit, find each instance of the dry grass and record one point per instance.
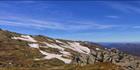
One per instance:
(17, 55)
(97, 66)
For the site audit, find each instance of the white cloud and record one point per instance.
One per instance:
(136, 27)
(124, 7)
(41, 24)
(114, 17)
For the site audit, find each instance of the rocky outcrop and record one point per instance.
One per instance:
(126, 61)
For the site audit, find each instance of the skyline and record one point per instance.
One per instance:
(97, 21)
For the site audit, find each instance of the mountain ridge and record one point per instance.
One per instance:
(28, 51)
(131, 48)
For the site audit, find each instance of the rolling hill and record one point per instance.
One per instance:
(37, 52)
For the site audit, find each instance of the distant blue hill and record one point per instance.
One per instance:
(130, 48)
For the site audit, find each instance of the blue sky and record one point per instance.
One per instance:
(97, 21)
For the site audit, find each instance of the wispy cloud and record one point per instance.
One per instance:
(114, 17)
(27, 1)
(136, 27)
(41, 24)
(124, 6)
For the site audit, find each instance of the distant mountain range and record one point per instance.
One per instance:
(37, 52)
(130, 48)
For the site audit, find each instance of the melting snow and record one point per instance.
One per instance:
(77, 47)
(25, 38)
(97, 49)
(54, 46)
(10, 63)
(65, 53)
(62, 50)
(71, 45)
(58, 41)
(37, 59)
(34, 45)
(50, 56)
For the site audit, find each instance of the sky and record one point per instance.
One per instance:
(97, 21)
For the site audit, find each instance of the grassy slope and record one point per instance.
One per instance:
(97, 66)
(17, 55)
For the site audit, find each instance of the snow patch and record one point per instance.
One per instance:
(97, 49)
(54, 46)
(77, 47)
(65, 53)
(34, 45)
(61, 49)
(58, 41)
(37, 59)
(25, 38)
(50, 56)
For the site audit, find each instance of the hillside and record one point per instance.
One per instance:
(28, 52)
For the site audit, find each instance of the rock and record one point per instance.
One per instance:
(128, 62)
(100, 57)
(107, 57)
(91, 59)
